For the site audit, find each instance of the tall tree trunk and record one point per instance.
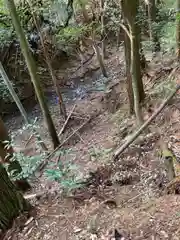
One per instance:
(178, 30)
(48, 61)
(127, 52)
(33, 72)
(136, 77)
(99, 58)
(102, 29)
(142, 58)
(19, 105)
(136, 61)
(152, 17)
(12, 202)
(127, 47)
(130, 12)
(6, 155)
(57, 89)
(98, 54)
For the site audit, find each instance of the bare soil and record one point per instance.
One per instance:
(119, 200)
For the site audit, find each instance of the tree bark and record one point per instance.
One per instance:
(6, 155)
(48, 61)
(33, 72)
(19, 105)
(152, 17)
(102, 29)
(142, 58)
(136, 76)
(130, 12)
(12, 202)
(99, 58)
(127, 49)
(178, 30)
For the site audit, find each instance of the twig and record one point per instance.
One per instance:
(29, 139)
(74, 132)
(44, 163)
(78, 135)
(144, 126)
(66, 122)
(78, 117)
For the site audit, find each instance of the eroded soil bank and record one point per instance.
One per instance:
(119, 199)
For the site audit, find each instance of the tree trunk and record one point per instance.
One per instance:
(127, 48)
(178, 30)
(127, 52)
(33, 72)
(6, 155)
(136, 76)
(12, 202)
(99, 58)
(48, 61)
(19, 105)
(102, 29)
(130, 11)
(57, 89)
(142, 59)
(152, 17)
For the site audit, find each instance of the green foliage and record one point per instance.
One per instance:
(168, 40)
(4, 92)
(112, 16)
(165, 26)
(178, 16)
(28, 163)
(72, 33)
(26, 11)
(65, 173)
(6, 29)
(68, 37)
(168, 26)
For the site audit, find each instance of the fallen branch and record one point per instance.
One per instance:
(45, 162)
(74, 132)
(66, 122)
(144, 126)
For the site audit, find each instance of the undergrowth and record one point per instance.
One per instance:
(63, 171)
(162, 89)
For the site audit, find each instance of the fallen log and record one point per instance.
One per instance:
(144, 126)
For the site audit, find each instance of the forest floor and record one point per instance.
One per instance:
(125, 196)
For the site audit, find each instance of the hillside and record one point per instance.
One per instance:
(126, 195)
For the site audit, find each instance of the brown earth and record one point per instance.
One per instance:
(126, 195)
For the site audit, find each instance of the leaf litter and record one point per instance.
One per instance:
(118, 200)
